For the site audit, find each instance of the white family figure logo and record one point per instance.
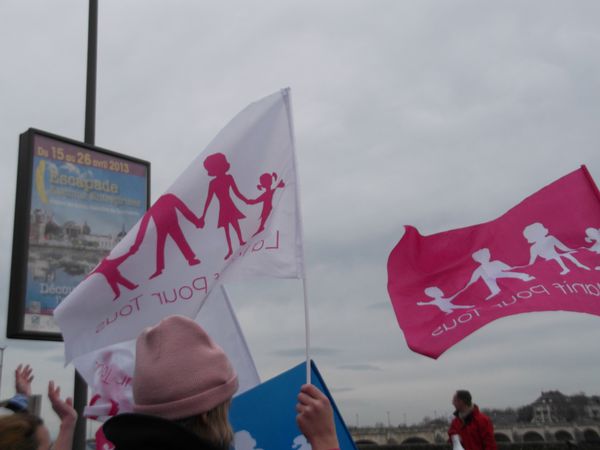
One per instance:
(543, 254)
(243, 440)
(592, 235)
(300, 443)
(489, 271)
(547, 247)
(543, 245)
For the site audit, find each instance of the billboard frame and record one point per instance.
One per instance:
(21, 240)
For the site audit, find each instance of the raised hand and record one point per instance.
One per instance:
(23, 379)
(67, 415)
(315, 418)
(63, 408)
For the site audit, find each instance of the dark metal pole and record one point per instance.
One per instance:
(80, 389)
(90, 90)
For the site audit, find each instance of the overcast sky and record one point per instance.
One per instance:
(435, 114)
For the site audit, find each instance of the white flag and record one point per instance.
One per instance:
(109, 372)
(232, 214)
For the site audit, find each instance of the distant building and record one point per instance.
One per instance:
(555, 407)
(44, 230)
(592, 409)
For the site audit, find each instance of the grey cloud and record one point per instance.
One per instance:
(360, 367)
(341, 390)
(300, 352)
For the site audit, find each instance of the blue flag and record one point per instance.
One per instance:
(264, 418)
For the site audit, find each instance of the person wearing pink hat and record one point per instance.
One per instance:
(182, 388)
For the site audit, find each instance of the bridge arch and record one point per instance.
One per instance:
(590, 435)
(415, 440)
(563, 436)
(502, 437)
(366, 442)
(533, 436)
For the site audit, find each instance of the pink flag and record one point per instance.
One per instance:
(542, 255)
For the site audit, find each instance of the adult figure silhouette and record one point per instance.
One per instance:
(164, 215)
(220, 187)
(547, 247)
(593, 235)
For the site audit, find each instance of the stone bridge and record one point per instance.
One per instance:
(573, 432)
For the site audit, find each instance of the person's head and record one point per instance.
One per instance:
(216, 164)
(182, 375)
(481, 256)
(266, 181)
(535, 232)
(592, 234)
(433, 292)
(462, 400)
(23, 431)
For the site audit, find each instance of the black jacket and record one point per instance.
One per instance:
(143, 432)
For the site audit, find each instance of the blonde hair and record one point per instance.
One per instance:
(212, 426)
(17, 432)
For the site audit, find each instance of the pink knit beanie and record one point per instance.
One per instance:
(179, 371)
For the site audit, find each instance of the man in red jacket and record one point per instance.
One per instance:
(470, 427)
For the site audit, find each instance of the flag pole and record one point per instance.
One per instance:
(288, 103)
(307, 330)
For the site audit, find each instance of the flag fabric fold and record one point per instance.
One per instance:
(108, 372)
(542, 255)
(231, 215)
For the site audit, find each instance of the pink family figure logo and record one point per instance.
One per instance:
(109, 268)
(266, 181)
(164, 215)
(444, 304)
(547, 247)
(489, 271)
(220, 186)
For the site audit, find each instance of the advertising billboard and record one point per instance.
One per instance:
(74, 202)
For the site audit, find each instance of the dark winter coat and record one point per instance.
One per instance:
(143, 432)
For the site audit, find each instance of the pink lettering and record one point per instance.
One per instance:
(276, 245)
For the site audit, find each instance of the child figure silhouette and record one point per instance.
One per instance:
(266, 183)
(489, 271)
(547, 247)
(444, 304)
(217, 166)
(109, 268)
